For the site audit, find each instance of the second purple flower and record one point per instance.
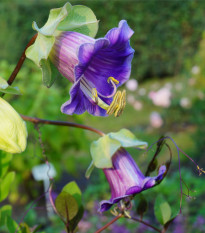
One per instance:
(96, 68)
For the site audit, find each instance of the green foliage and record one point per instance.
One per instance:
(7, 222)
(66, 206)
(4, 212)
(69, 205)
(73, 189)
(5, 185)
(166, 32)
(162, 210)
(5, 160)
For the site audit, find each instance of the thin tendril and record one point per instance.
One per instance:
(178, 149)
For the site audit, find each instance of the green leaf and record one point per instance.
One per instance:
(5, 88)
(66, 206)
(55, 17)
(104, 148)
(81, 19)
(73, 189)
(5, 160)
(40, 49)
(12, 225)
(11, 90)
(162, 210)
(4, 212)
(74, 222)
(5, 185)
(24, 228)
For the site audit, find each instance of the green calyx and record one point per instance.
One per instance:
(67, 18)
(105, 147)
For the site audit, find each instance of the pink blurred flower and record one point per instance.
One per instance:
(137, 105)
(156, 120)
(132, 84)
(162, 97)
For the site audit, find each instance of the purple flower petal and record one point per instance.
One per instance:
(79, 57)
(76, 102)
(126, 179)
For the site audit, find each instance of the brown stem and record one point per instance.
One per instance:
(108, 224)
(36, 120)
(145, 223)
(21, 61)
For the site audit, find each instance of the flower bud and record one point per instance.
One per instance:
(13, 133)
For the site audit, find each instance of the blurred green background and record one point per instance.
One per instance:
(168, 99)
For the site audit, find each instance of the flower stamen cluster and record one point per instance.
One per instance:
(118, 104)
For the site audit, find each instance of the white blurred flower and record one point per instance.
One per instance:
(162, 97)
(168, 85)
(130, 99)
(185, 102)
(137, 105)
(156, 120)
(178, 86)
(132, 84)
(195, 70)
(142, 91)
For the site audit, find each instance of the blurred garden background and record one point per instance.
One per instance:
(165, 97)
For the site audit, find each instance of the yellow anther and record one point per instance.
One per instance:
(201, 170)
(111, 109)
(112, 79)
(121, 105)
(95, 95)
(118, 104)
(127, 214)
(115, 211)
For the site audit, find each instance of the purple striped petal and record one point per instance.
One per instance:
(126, 179)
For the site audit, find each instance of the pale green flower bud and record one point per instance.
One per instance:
(13, 133)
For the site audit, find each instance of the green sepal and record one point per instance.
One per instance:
(104, 148)
(89, 170)
(48, 72)
(55, 17)
(67, 18)
(80, 19)
(5, 88)
(40, 49)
